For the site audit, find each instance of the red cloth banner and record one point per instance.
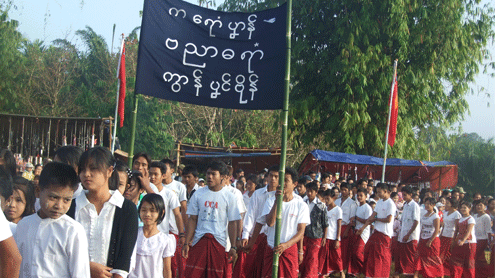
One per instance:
(394, 111)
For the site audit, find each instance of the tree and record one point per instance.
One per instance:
(342, 57)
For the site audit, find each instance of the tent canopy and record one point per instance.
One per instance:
(440, 174)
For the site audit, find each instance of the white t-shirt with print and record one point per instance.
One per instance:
(294, 212)
(333, 216)
(215, 209)
(383, 209)
(181, 191)
(449, 220)
(427, 224)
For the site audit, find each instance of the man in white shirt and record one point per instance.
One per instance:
(409, 235)
(377, 250)
(253, 233)
(10, 258)
(349, 207)
(174, 225)
(295, 217)
(51, 243)
(190, 180)
(212, 220)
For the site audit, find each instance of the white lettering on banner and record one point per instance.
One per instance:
(168, 41)
(243, 55)
(195, 51)
(226, 82)
(176, 12)
(197, 80)
(197, 19)
(252, 85)
(176, 85)
(213, 24)
(239, 87)
(228, 54)
(215, 92)
(234, 29)
(251, 25)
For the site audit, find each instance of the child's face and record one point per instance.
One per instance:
(250, 186)
(132, 192)
(480, 208)
(148, 213)
(93, 178)
(55, 201)
(16, 205)
(122, 181)
(156, 175)
(361, 197)
(406, 196)
(465, 210)
(372, 205)
(345, 192)
(416, 198)
(328, 200)
(396, 199)
(311, 194)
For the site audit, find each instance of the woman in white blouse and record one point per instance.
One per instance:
(110, 221)
(450, 218)
(484, 236)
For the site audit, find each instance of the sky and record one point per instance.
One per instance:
(48, 20)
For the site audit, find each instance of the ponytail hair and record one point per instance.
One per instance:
(100, 158)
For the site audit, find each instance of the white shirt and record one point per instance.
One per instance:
(294, 212)
(349, 208)
(215, 209)
(180, 190)
(383, 209)
(150, 253)
(5, 231)
(483, 226)
(98, 227)
(333, 216)
(255, 208)
(52, 247)
(470, 220)
(449, 223)
(239, 199)
(246, 198)
(410, 213)
(364, 212)
(171, 202)
(427, 225)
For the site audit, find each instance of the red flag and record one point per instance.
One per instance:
(393, 113)
(122, 86)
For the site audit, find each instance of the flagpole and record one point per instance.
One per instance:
(283, 156)
(117, 99)
(133, 130)
(388, 121)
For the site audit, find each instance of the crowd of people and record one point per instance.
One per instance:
(86, 214)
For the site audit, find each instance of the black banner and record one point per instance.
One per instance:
(231, 60)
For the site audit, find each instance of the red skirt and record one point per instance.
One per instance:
(429, 263)
(288, 263)
(254, 263)
(407, 258)
(309, 266)
(206, 259)
(356, 265)
(177, 260)
(394, 249)
(462, 260)
(483, 269)
(445, 244)
(330, 259)
(378, 255)
(345, 246)
(240, 266)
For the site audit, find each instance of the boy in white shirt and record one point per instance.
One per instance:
(377, 249)
(349, 207)
(363, 212)
(409, 235)
(295, 217)
(213, 213)
(51, 243)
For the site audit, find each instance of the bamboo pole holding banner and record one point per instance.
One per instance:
(133, 131)
(283, 156)
(117, 100)
(388, 121)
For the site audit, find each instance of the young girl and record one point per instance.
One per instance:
(134, 188)
(154, 249)
(21, 202)
(484, 236)
(464, 246)
(123, 172)
(330, 253)
(110, 221)
(252, 182)
(429, 263)
(450, 218)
